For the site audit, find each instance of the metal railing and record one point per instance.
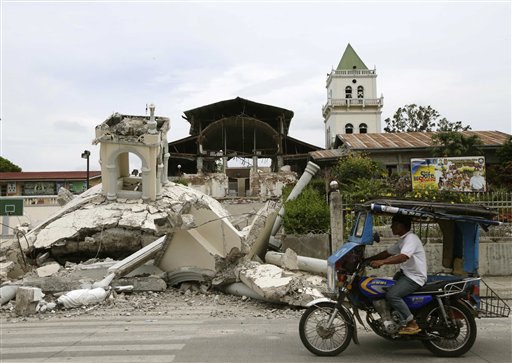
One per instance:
(353, 102)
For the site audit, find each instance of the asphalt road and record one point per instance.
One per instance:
(205, 339)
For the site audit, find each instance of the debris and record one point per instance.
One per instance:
(142, 283)
(64, 196)
(7, 293)
(188, 273)
(105, 283)
(76, 298)
(27, 299)
(138, 258)
(241, 289)
(290, 260)
(48, 269)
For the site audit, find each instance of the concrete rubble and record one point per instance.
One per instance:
(182, 237)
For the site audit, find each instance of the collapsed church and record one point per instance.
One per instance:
(248, 133)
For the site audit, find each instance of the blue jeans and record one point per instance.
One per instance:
(402, 287)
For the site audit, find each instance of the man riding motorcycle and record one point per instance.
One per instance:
(408, 251)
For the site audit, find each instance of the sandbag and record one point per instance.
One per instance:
(76, 298)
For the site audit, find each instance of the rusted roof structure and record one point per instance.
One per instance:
(395, 150)
(238, 128)
(411, 140)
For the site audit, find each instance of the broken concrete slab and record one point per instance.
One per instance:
(290, 260)
(266, 280)
(138, 258)
(27, 299)
(278, 285)
(48, 269)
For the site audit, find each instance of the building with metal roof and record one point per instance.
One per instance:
(395, 150)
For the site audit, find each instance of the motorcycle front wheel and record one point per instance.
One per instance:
(450, 341)
(322, 338)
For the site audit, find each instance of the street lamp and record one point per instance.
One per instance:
(85, 155)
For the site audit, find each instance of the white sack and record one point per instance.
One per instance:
(76, 298)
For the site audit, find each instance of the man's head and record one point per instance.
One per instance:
(400, 224)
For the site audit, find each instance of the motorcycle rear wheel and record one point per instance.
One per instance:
(450, 341)
(323, 340)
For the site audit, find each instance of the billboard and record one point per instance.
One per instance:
(460, 174)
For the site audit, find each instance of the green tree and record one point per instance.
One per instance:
(6, 165)
(308, 213)
(500, 176)
(356, 166)
(414, 118)
(453, 143)
(360, 178)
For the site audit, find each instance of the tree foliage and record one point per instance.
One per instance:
(501, 174)
(308, 213)
(360, 178)
(356, 166)
(8, 166)
(414, 118)
(453, 143)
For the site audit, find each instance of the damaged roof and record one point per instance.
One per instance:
(199, 118)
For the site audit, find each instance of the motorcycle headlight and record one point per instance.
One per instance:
(331, 278)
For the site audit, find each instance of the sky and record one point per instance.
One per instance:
(66, 66)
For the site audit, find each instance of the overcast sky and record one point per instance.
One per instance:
(67, 66)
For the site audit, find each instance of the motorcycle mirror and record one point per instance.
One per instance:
(376, 237)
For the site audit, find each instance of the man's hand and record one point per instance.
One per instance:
(376, 263)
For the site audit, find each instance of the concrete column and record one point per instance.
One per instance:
(112, 182)
(199, 164)
(165, 174)
(280, 162)
(255, 164)
(336, 214)
(145, 184)
(307, 264)
(160, 169)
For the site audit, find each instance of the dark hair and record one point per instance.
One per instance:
(403, 220)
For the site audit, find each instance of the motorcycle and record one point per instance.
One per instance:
(443, 309)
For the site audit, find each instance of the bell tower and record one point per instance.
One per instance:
(352, 104)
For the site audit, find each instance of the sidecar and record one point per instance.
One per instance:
(460, 227)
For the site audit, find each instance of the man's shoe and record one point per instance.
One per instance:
(409, 330)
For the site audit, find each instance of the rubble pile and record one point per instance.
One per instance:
(98, 252)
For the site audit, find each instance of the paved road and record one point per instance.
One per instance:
(166, 339)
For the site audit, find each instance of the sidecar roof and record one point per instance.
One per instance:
(422, 210)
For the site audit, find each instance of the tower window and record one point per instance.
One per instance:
(363, 129)
(349, 129)
(354, 81)
(348, 92)
(360, 92)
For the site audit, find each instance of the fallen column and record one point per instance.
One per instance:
(307, 264)
(138, 258)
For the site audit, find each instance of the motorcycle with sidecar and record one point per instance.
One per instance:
(444, 308)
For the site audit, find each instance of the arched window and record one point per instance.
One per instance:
(360, 92)
(348, 92)
(349, 129)
(363, 128)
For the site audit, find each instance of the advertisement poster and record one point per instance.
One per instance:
(462, 174)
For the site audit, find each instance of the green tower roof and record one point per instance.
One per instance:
(350, 60)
